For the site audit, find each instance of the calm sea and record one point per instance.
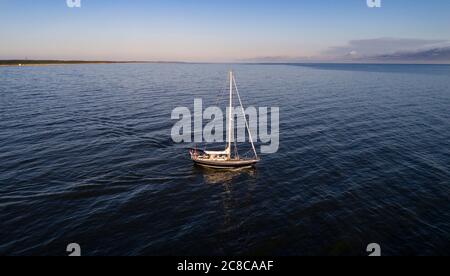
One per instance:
(86, 157)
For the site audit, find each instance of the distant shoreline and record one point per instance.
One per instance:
(69, 62)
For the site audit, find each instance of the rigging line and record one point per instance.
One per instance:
(245, 117)
(219, 98)
(247, 153)
(221, 95)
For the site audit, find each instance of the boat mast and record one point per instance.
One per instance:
(230, 124)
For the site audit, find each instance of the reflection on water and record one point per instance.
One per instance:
(214, 176)
(238, 187)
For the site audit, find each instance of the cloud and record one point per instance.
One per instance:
(381, 46)
(439, 55)
(381, 50)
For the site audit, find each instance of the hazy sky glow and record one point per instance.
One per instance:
(216, 30)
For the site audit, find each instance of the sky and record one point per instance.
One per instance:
(220, 31)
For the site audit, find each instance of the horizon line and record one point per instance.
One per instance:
(15, 62)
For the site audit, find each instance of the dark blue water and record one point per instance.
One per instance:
(86, 156)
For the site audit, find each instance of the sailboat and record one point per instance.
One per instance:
(225, 159)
